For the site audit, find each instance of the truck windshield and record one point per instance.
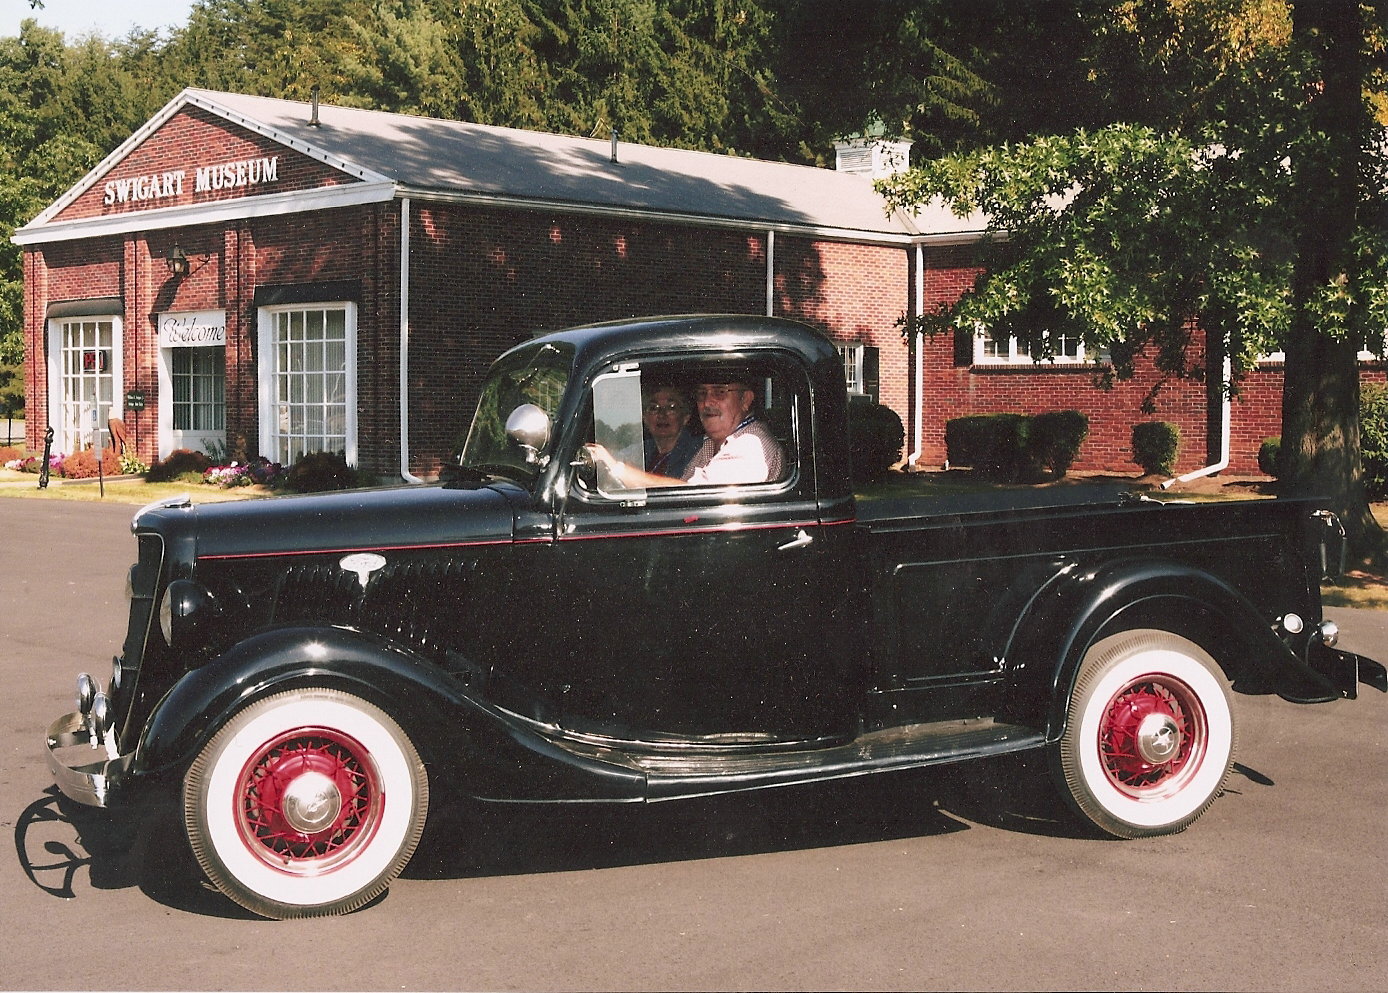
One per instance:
(537, 376)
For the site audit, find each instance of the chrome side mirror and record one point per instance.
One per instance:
(528, 428)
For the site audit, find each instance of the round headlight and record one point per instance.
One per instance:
(184, 606)
(101, 718)
(86, 693)
(166, 617)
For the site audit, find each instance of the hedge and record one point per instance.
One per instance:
(1155, 444)
(875, 437)
(1054, 440)
(1011, 447)
(992, 445)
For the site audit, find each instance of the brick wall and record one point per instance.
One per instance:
(953, 387)
(484, 280)
(193, 138)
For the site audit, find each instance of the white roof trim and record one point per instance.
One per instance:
(366, 175)
(169, 110)
(294, 202)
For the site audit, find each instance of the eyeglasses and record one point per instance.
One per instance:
(663, 408)
(717, 392)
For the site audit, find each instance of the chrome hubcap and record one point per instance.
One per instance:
(311, 802)
(1158, 738)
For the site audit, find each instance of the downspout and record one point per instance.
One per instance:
(770, 273)
(405, 473)
(918, 395)
(1225, 430)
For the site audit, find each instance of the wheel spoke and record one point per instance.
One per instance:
(275, 831)
(1147, 736)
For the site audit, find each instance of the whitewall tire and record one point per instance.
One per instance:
(1149, 737)
(306, 803)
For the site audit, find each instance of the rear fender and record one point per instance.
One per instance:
(1074, 611)
(474, 746)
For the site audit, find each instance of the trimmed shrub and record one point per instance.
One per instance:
(1373, 438)
(875, 437)
(83, 464)
(9, 453)
(318, 472)
(180, 462)
(1269, 452)
(1054, 439)
(1155, 444)
(993, 445)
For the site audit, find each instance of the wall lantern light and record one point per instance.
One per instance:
(177, 262)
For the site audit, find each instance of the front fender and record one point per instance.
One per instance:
(478, 749)
(1072, 612)
(204, 699)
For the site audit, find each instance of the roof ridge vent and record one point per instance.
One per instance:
(872, 155)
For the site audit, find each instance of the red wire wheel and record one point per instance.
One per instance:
(1153, 736)
(1149, 734)
(308, 799)
(306, 803)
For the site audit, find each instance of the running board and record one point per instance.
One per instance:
(671, 776)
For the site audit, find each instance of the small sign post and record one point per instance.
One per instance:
(135, 402)
(96, 446)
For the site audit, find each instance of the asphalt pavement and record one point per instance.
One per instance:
(965, 877)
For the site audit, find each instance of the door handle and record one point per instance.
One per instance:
(801, 539)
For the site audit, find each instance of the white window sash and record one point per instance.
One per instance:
(308, 380)
(1009, 351)
(852, 357)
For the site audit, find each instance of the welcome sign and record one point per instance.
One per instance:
(193, 329)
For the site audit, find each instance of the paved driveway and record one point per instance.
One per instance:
(960, 878)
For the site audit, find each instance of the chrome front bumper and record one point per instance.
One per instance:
(84, 768)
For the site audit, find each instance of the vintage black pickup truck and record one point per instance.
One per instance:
(546, 624)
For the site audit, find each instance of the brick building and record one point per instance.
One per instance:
(262, 276)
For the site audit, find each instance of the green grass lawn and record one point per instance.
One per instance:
(119, 489)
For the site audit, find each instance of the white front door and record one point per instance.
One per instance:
(192, 383)
(84, 368)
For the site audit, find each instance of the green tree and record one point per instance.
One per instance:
(1253, 210)
(62, 109)
(11, 394)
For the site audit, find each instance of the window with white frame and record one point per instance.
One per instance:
(997, 348)
(308, 388)
(84, 367)
(198, 378)
(860, 369)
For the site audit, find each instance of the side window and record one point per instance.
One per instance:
(679, 430)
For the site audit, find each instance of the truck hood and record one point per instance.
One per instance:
(353, 520)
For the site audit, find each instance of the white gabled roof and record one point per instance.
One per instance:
(397, 155)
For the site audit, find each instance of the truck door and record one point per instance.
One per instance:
(710, 613)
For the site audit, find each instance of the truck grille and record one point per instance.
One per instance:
(128, 688)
